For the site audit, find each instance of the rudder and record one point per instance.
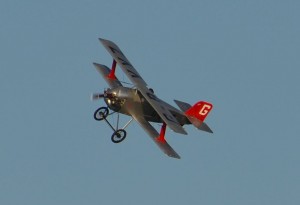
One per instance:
(197, 113)
(200, 110)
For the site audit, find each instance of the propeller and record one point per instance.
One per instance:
(96, 96)
(106, 94)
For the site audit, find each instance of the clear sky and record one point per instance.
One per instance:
(242, 56)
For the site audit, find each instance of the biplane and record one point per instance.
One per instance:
(142, 105)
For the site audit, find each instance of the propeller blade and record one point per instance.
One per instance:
(97, 96)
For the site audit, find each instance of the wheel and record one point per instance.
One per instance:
(118, 136)
(101, 113)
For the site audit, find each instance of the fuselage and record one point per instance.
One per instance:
(123, 100)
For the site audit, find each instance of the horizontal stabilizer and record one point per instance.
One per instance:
(183, 105)
(204, 127)
(199, 124)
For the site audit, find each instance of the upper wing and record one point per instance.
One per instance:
(164, 146)
(113, 83)
(124, 63)
(135, 77)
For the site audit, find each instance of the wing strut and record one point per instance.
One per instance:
(161, 137)
(111, 75)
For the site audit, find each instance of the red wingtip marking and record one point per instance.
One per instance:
(111, 75)
(161, 137)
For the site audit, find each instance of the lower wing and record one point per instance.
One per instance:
(104, 71)
(152, 132)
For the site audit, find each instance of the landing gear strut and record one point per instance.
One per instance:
(119, 134)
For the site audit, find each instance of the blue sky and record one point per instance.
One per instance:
(243, 56)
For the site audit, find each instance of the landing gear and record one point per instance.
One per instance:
(118, 134)
(101, 113)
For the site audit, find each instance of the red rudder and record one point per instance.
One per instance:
(200, 110)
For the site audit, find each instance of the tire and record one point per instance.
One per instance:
(118, 136)
(101, 113)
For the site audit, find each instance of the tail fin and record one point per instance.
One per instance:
(200, 110)
(197, 113)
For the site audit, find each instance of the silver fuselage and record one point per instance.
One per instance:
(123, 100)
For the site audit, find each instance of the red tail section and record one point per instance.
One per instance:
(200, 110)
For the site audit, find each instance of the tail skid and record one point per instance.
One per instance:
(197, 113)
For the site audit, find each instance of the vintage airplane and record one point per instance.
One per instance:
(143, 105)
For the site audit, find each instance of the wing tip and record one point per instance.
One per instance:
(105, 41)
(174, 156)
(98, 65)
(205, 127)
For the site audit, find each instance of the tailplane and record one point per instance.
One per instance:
(197, 113)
